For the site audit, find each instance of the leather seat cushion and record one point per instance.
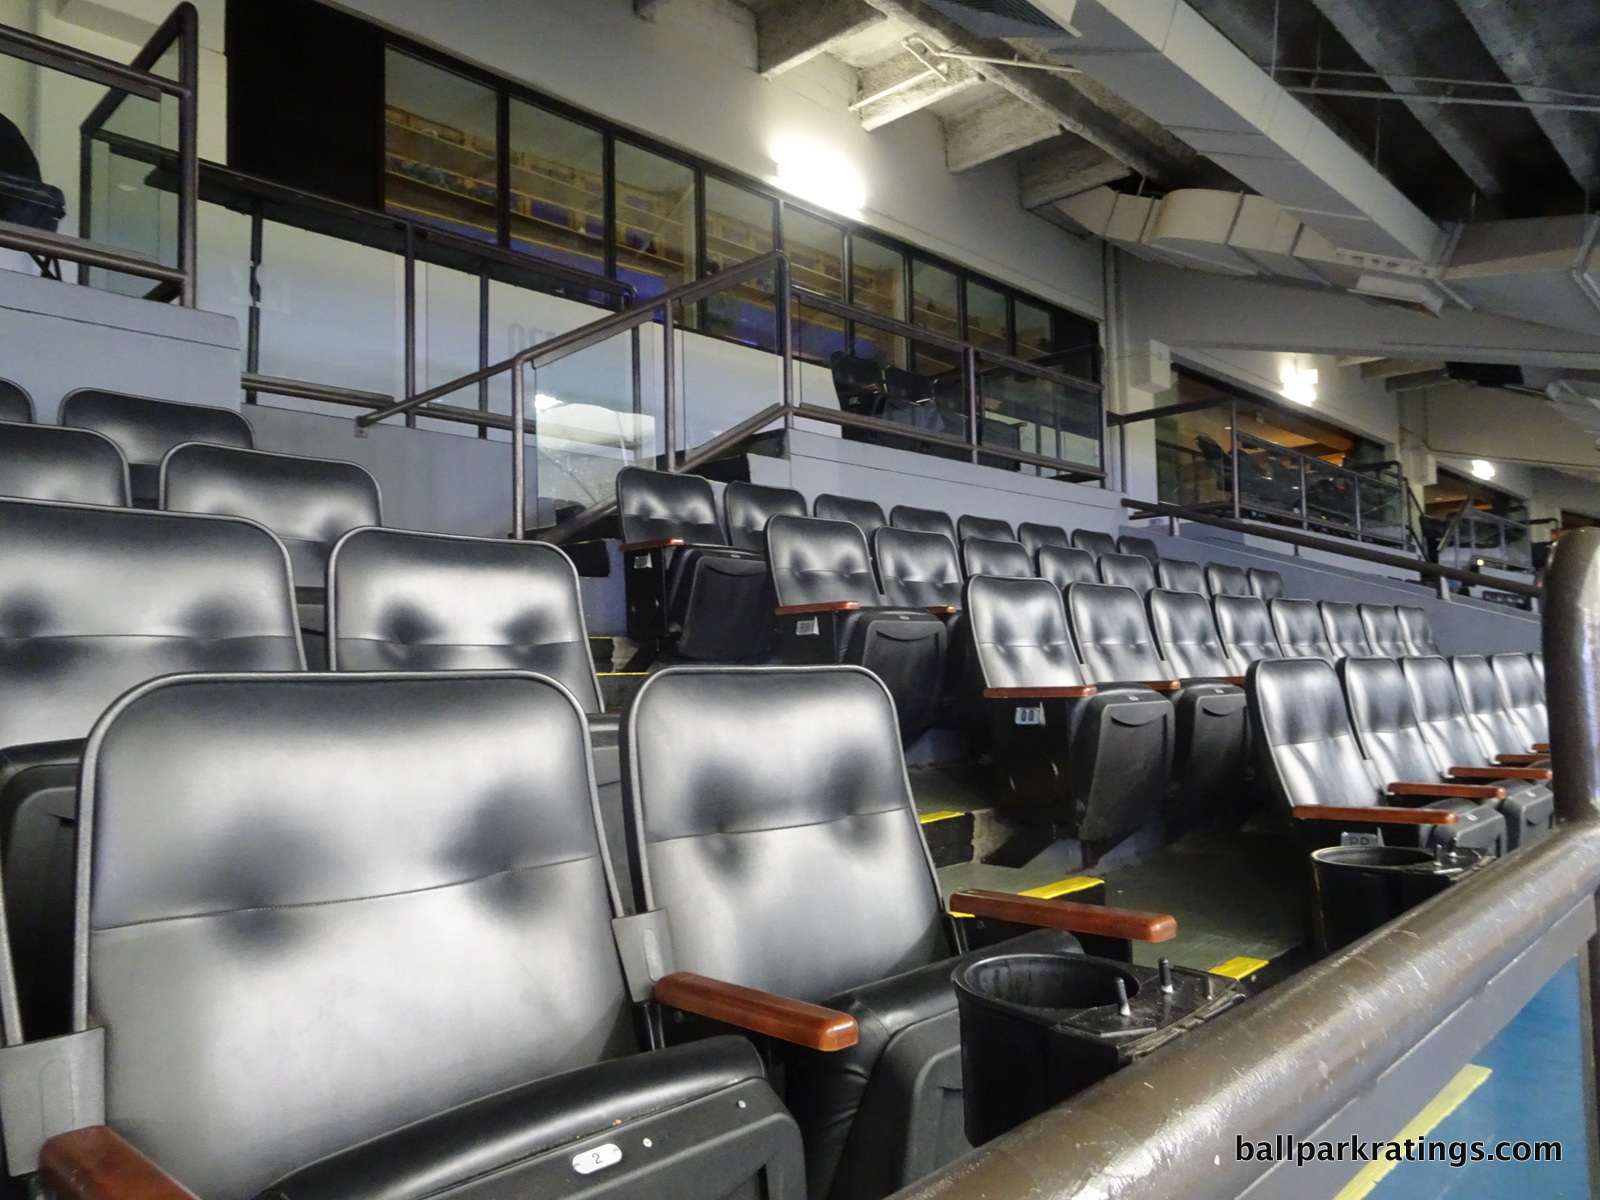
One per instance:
(495, 1134)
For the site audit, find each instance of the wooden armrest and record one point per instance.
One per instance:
(1236, 680)
(1071, 915)
(652, 544)
(1039, 693)
(796, 610)
(95, 1163)
(1374, 815)
(1447, 791)
(1161, 685)
(1500, 773)
(943, 610)
(1542, 747)
(1519, 760)
(759, 1012)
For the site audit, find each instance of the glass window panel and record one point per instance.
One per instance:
(936, 306)
(558, 191)
(738, 228)
(878, 284)
(816, 251)
(987, 326)
(655, 221)
(441, 148)
(1035, 330)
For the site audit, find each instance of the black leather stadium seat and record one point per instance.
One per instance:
(1128, 570)
(1225, 580)
(1066, 565)
(1314, 765)
(811, 882)
(1417, 631)
(350, 936)
(748, 505)
(1300, 631)
(830, 611)
(1180, 575)
(991, 529)
(403, 601)
(1522, 695)
(1006, 559)
(15, 403)
(1141, 546)
(1035, 537)
(865, 515)
(689, 593)
(145, 429)
(1085, 762)
(1186, 635)
(1268, 585)
(1486, 708)
(73, 466)
(1384, 633)
(1095, 542)
(94, 601)
(923, 520)
(918, 570)
(1528, 807)
(1392, 738)
(1245, 627)
(1341, 621)
(1112, 631)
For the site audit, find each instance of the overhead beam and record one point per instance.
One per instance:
(1537, 42)
(907, 83)
(997, 127)
(791, 32)
(1064, 167)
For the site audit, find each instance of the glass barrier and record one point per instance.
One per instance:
(1040, 412)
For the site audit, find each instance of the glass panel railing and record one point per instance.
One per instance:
(1040, 412)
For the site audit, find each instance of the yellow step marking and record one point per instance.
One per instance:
(1239, 968)
(1455, 1093)
(1063, 887)
(942, 815)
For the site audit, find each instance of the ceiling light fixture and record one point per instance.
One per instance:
(820, 175)
(1483, 468)
(1299, 386)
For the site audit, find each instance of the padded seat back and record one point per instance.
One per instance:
(1522, 694)
(49, 462)
(1266, 584)
(919, 570)
(1180, 575)
(1298, 711)
(1245, 627)
(1417, 630)
(1035, 537)
(1384, 634)
(1480, 696)
(1298, 625)
(310, 503)
(865, 515)
(96, 600)
(1346, 634)
(774, 824)
(1066, 565)
(1019, 630)
(15, 403)
(749, 505)
(1128, 570)
(1225, 580)
(1444, 722)
(403, 601)
(1186, 635)
(323, 907)
(991, 529)
(1141, 546)
(1095, 542)
(1386, 723)
(660, 504)
(820, 562)
(1009, 560)
(145, 429)
(1113, 634)
(923, 520)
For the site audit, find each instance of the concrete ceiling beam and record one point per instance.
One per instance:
(908, 83)
(1063, 167)
(997, 127)
(792, 32)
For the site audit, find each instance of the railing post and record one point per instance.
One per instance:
(410, 319)
(1305, 506)
(189, 154)
(519, 451)
(969, 383)
(252, 337)
(669, 386)
(783, 309)
(1233, 443)
(1359, 538)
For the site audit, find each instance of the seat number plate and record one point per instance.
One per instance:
(1033, 714)
(1359, 839)
(597, 1159)
(641, 561)
(807, 628)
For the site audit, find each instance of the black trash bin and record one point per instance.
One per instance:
(1037, 1028)
(1359, 888)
